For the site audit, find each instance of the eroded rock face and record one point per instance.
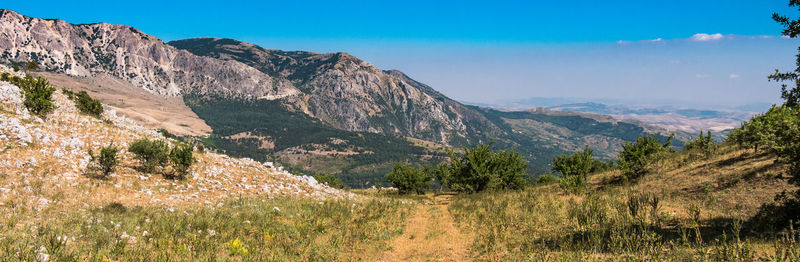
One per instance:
(129, 54)
(351, 94)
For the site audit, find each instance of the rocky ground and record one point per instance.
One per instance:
(43, 164)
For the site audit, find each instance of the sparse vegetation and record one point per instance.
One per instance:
(152, 154)
(408, 179)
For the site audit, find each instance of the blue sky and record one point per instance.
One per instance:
(488, 51)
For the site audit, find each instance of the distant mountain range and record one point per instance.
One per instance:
(312, 112)
(682, 118)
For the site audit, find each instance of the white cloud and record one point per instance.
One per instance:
(706, 37)
(675, 61)
(702, 75)
(656, 40)
(623, 42)
(734, 76)
(786, 37)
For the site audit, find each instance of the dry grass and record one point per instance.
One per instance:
(151, 110)
(545, 223)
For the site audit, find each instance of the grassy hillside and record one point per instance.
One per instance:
(692, 208)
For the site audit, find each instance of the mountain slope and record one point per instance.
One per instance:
(314, 112)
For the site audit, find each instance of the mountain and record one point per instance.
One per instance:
(313, 112)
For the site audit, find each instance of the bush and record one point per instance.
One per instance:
(107, 159)
(574, 169)
(182, 159)
(408, 179)
(15, 68)
(702, 143)
(545, 179)
(31, 65)
(166, 133)
(88, 105)
(637, 157)
(152, 154)
(38, 94)
(5, 76)
(330, 179)
(481, 169)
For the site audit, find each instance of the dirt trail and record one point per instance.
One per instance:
(430, 235)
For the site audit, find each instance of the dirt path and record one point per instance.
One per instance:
(430, 234)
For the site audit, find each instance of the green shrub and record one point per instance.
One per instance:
(637, 157)
(408, 179)
(15, 68)
(31, 65)
(38, 94)
(152, 154)
(481, 169)
(330, 179)
(107, 159)
(574, 169)
(88, 105)
(166, 133)
(5, 76)
(182, 158)
(702, 143)
(546, 179)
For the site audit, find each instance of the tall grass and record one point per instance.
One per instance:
(542, 223)
(281, 229)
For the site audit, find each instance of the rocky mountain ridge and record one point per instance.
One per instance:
(129, 54)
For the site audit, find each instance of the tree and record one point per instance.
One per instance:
(182, 158)
(574, 169)
(152, 154)
(481, 169)
(107, 159)
(791, 28)
(408, 179)
(636, 158)
(38, 94)
(703, 143)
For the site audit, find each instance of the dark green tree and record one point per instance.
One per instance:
(182, 158)
(481, 169)
(574, 169)
(791, 28)
(38, 94)
(152, 154)
(636, 158)
(408, 179)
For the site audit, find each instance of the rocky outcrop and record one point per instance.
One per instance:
(127, 53)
